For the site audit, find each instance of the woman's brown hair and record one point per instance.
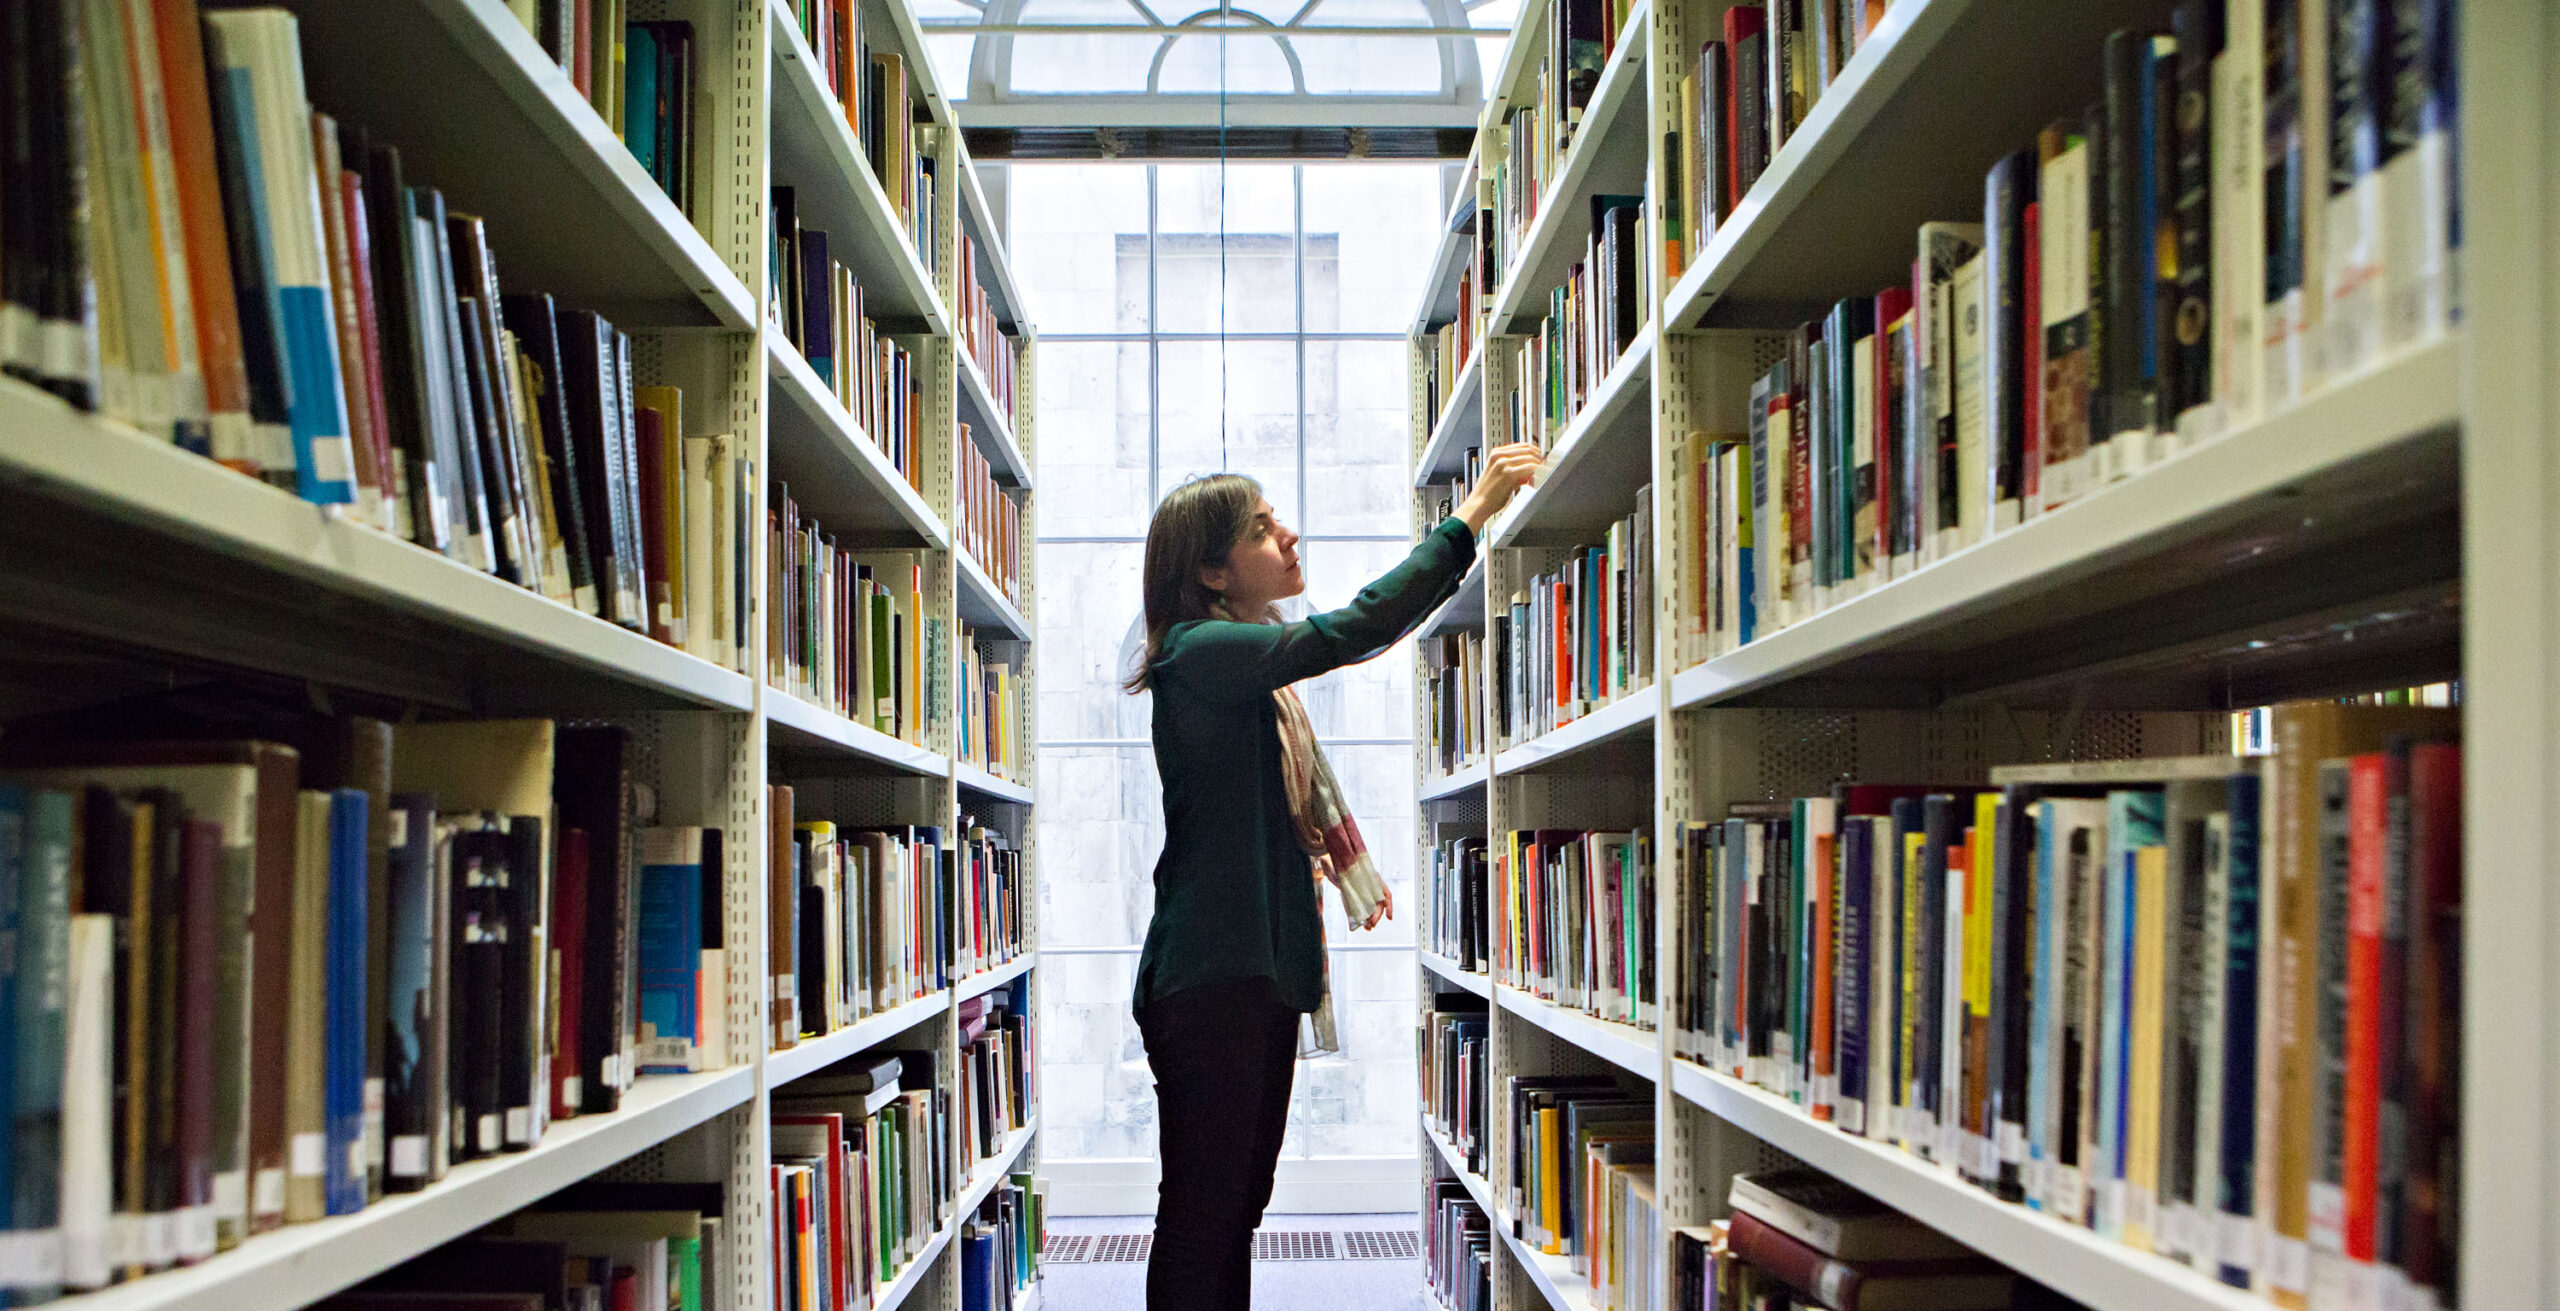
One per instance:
(1194, 528)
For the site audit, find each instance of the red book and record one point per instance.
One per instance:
(1893, 305)
(2432, 1047)
(833, 1162)
(369, 343)
(2031, 422)
(2367, 820)
(1739, 22)
(581, 49)
(1825, 883)
(1969, 1284)
(1560, 615)
(569, 910)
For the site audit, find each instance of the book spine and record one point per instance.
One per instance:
(350, 870)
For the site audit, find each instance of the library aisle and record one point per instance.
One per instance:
(566, 569)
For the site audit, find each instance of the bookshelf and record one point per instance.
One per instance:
(140, 556)
(2393, 526)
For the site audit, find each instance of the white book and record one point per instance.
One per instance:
(87, 1119)
(2239, 212)
(1972, 409)
(1884, 974)
(2062, 246)
(2213, 971)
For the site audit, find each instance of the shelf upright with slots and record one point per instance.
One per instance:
(2390, 528)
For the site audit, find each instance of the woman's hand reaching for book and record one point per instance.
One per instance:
(1507, 469)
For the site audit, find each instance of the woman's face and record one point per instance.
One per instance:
(1261, 568)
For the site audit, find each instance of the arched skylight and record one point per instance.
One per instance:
(1138, 63)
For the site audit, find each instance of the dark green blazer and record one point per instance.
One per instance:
(1235, 893)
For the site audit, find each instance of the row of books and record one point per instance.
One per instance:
(639, 76)
(1460, 877)
(999, 1247)
(995, 728)
(2066, 986)
(1579, 637)
(1455, 1048)
(2143, 277)
(1454, 695)
(870, 914)
(990, 527)
(1592, 318)
(999, 1070)
(1800, 1239)
(1446, 349)
(1744, 97)
(982, 330)
(1581, 1175)
(819, 307)
(851, 631)
(862, 1176)
(1577, 911)
(2253, 731)
(261, 981)
(1521, 156)
(286, 303)
(1457, 1248)
(879, 101)
(597, 1245)
(863, 919)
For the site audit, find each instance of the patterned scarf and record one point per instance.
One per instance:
(1332, 842)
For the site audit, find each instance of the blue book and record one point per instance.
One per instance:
(2040, 1004)
(2133, 821)
(817, 307)
(670, 946)
(1849, 972)
(255, 58)
(2239, 1148)
(413, 1065)
(640, 95)
(342, 1082)
(44, 975)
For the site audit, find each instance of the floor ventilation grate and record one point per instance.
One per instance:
(1066, 1247)
(1293, 1245)
(1129, 1249)
(1381, 1245)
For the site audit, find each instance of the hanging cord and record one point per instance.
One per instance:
(1225, 361)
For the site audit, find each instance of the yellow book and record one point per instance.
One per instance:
(667, 601)
(2142, 1074)
(1980, 887)
(1550, 1200)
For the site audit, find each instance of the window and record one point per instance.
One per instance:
(1195, 319)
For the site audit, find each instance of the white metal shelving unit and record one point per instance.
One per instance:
(159, 555)
(2396, 526)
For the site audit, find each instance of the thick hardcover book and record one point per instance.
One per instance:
(2008, 189)
(307, 1017)
(670, 950)
(524, 1095)
(413, 1074)
(1963, 1284)
(37, 1021)
(452, 433)
(410, 424)
(201, 876)
(571, 871)
(2432, 1037)
(1836, 1220)
(2187, 379)
(1746, 34)
(536, 326)
(593, 793)
(782, 905)
(595, 459)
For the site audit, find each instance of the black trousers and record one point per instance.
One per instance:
(1224, 1054)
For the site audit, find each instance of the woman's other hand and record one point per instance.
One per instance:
(1386, 910)
(1506, 470)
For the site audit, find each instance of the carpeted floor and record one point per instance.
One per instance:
(1302, 1285)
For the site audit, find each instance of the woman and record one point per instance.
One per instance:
(1234, 958)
